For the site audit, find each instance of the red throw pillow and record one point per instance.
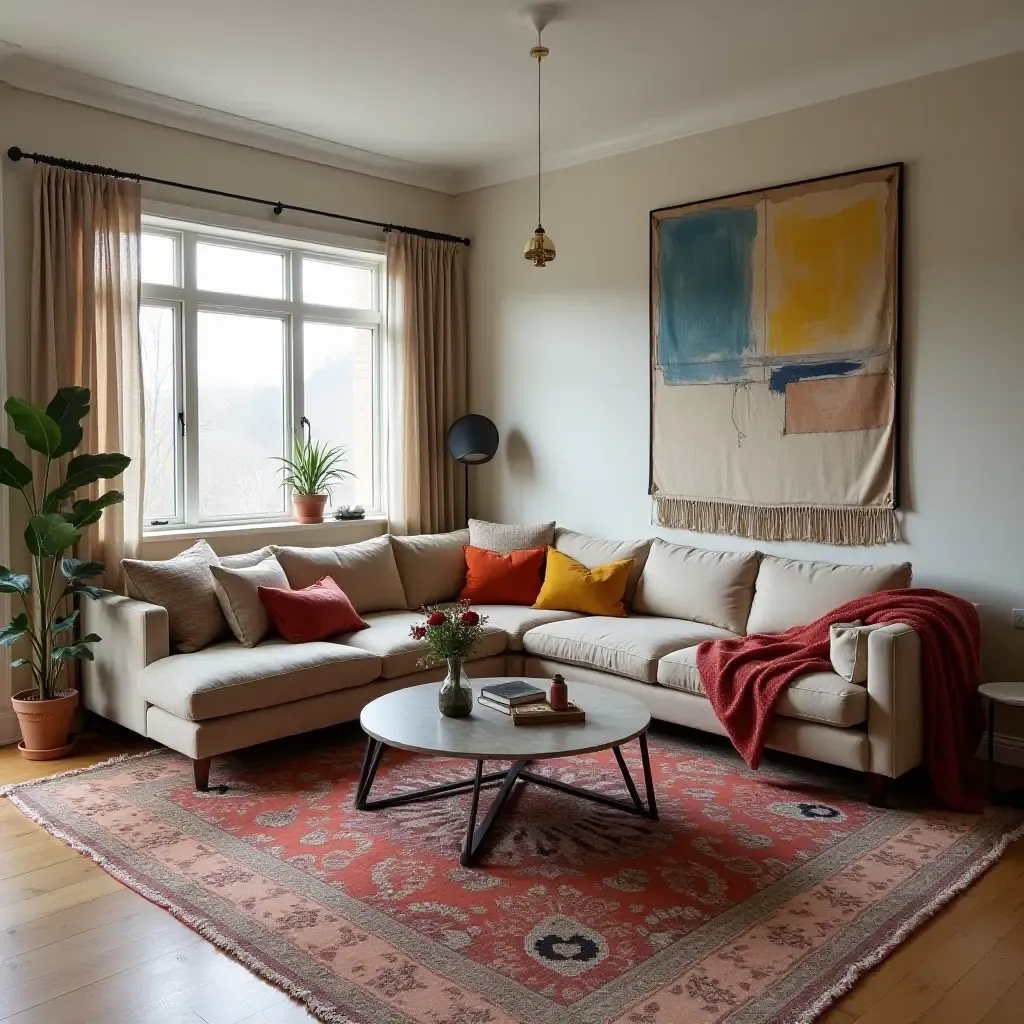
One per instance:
(515, 578)
(313, 613)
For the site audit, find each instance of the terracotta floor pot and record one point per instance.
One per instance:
(45, 724)
(309, 508)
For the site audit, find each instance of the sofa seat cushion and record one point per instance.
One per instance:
(228, 678)
(630, 646)
(514, 620)
(388, 638)
(818, 697)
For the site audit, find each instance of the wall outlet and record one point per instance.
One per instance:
(1018, 618)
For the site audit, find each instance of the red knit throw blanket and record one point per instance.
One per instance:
(743, 678)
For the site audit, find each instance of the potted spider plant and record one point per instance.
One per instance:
(47, 623)
(310, 472)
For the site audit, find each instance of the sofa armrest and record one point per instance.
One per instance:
(134, 634)
(895, 707)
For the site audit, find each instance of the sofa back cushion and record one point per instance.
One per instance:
(714, 587)
(432, 566)
(236, 591)
(366, 571)
(790, 592)
(184, 586)
(592, 552)
(247, 559)
(506, 537)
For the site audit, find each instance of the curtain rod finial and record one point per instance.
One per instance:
(15, 153)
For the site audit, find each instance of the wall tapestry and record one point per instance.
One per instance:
(774, 361)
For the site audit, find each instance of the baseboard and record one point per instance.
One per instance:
(1007, 749)
(9, 731)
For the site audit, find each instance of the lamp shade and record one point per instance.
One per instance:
(472, 439)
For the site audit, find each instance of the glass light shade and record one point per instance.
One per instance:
(540, 249)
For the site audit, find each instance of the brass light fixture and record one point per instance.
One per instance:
(540, 249)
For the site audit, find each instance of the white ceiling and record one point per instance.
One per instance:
(441, 92)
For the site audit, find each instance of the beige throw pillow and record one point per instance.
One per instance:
(245, 560)
(790, 592)
(240, 601)
(184, 586)
(714, 587)
(432, 566)
(366, 571)
(506, 537)
(848, 650)
(592, 552)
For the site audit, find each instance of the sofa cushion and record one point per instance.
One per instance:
(515, 620)
(789, 592)
(366, 571)
(569, 586)
(630, 646)
(247, 558)
(818, 697)
(432, 566)
(681, 582)
(848, 649)
(319, 612)
(514, 578)
(388, 637)
(228, 678)
(184, 586)
(506, 537)
(592, 552)
(237, 592)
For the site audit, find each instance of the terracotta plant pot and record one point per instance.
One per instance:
(309, 508)
(45, 724)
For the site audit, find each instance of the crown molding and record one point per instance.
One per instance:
(944, 55)
(24, 72)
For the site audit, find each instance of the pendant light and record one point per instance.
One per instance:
(540, 249)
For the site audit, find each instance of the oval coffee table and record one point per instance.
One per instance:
(409, 720)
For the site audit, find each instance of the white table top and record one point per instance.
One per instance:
(409, 719)
(1003, 693)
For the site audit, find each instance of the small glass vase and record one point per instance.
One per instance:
(455, 698)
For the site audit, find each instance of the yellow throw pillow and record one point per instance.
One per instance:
(569, 586)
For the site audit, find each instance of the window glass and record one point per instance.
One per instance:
(156, 338)
(159, 258)
(225, 268)
(335, 284)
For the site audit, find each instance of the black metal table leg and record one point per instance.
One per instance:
(371, 759)
(630, 784)
(645, 757)
(476, 835)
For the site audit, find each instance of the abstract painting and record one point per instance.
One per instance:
(774, 361)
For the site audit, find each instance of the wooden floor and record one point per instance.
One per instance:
(77, 947)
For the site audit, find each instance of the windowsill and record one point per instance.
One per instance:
(239, 529)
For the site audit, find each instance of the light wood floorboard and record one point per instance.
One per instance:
(77, 947)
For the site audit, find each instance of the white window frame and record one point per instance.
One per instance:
(189, 226)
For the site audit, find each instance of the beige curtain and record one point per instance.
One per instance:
(426, 356)
(85, 331)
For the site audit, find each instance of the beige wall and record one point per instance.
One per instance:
(560, 355)
(42, 124)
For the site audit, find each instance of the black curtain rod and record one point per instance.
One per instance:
(16, 154)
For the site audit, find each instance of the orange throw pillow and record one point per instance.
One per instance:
(515, 578)
(313, 613)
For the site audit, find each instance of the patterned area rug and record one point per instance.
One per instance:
(756, 898)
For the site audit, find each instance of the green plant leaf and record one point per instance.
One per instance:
(87, 511)
(31, 421)
(14, 630)
(49, 534)
(18, 662)
(65, 623)
(14, 582)
(75, 569)
(82, 470)
(313, 467)
(73, 652)
(85, 590)
(67, 408)
(13, 472)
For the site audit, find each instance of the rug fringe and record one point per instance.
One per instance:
(839, 526)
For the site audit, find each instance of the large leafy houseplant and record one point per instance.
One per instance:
(56, 520)
(310, 473)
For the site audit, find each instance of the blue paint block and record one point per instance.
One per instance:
(705, 276)
(783, 375)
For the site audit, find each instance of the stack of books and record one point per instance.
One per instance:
(504, 697)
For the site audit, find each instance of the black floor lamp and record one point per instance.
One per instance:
(472, 440)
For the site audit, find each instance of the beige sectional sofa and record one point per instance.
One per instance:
(228, 696)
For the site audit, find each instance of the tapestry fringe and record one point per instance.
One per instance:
(840, 526)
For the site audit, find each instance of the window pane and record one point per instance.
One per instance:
(224, 268)
(241, 414)
(334, 284)
(156, 330)
(159, 257)
(338, 369)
